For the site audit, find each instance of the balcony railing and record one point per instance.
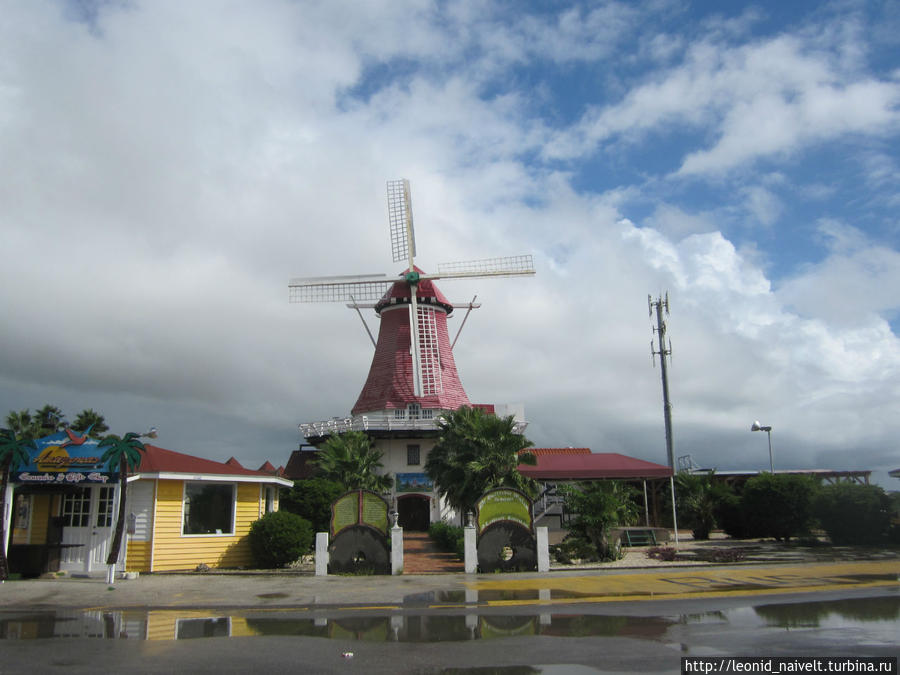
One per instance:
(379, 422)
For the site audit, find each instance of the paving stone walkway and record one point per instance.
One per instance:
(421, 556)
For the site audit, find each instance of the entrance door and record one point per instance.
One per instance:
(413, 512)
(87, 527)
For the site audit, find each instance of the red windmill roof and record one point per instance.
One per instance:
(426, 292)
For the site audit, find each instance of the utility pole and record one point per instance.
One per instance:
(659, 305)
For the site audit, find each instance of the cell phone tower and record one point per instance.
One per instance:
(664, 353)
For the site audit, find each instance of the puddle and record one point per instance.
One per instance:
(174, 625)
(878, 619)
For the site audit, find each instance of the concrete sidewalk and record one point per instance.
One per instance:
(283, 590)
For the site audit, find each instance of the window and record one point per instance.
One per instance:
(412, 454)
(208, 508)
(76, 508)
(104, 507)
(427, 414)
(399, 414)
(270, 499)
(415, 410)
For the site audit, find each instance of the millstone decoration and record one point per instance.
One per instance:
(505, 530)
(359, 532)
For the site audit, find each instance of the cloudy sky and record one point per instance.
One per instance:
(167, 167)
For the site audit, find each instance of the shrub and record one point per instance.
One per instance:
(699, 502)
(574, 548)
(723, 555)
(311, 499)
(854, 514)
(596, 508)
(666, 553)
(279, 538)
(778, 505)
(448, 538)
(730, 517)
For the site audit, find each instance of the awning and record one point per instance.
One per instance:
(593, 466)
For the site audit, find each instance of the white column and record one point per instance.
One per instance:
(321, 554)
(396, 550)
(543, 549)
(471, 550)
(7, 517)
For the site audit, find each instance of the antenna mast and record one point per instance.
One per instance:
(659, 305)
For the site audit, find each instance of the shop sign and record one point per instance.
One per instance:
(65, 458)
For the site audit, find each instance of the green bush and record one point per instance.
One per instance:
(596, 508)
(279, 538)
(311, 499)
(778, 505)
(700, 501)
(730, 517)
(854, 514)
(448, 538)
(572, 549)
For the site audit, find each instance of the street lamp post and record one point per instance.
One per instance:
(756, 426)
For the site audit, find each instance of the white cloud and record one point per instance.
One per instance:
(169, 171)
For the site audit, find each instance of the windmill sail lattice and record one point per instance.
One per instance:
(429, 352)
(413, 361)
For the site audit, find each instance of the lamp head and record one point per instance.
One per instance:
(756, 426)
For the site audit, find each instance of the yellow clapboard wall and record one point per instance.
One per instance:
(174, 551)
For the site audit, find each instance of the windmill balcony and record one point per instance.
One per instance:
(387, 420)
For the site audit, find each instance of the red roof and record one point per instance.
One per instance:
(568, 465)
(426, 292)
(160, 460)
(302, 464)
(559, 451)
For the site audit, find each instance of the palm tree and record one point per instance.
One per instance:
(49, 419)
(350, 460)
(596, 507)
(126, 452)
(13, 451)
(477, 452)
(45, 421)
(22, 424)
(89, 419)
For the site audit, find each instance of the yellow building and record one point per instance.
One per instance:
(183, 511)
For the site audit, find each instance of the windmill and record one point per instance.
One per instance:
(425, 342)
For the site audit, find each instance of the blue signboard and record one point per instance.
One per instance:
(414, 482)
(65, 457)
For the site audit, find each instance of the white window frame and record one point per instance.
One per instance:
(233, 487)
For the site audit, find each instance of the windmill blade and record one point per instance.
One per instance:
(516, 265)
(339, 289)
(403, 238)
(454, 305)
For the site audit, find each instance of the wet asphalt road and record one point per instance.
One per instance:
(572, 622)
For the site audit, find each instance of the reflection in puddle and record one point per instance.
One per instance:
(877, 615)
(815, 614)
(179, 625)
